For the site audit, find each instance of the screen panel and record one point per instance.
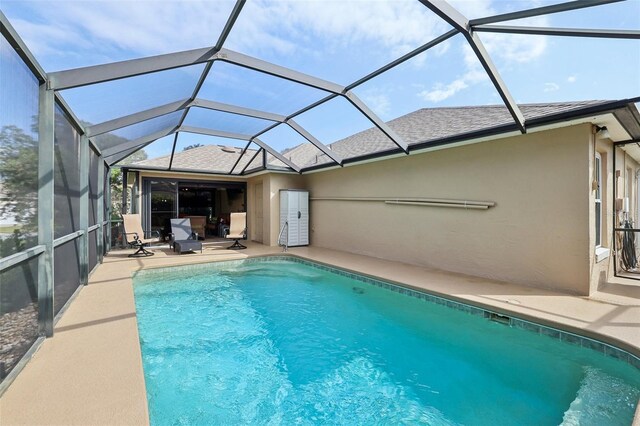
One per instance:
(446, 75)
(257, 161)
(102, 102)
(239, 86)
(293, 147)
(66, 176)
(226, 122)
(136, 131)
(18, 153)
(351, 134)
(206, 153)
(537, 75)
(154, 155)
(92, 32)
(18, 313)
(339, 41)
(93, 249)
(66, 273)
(251, 159)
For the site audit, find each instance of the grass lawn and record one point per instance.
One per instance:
(8, 229)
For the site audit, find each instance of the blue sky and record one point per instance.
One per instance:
(340, 41)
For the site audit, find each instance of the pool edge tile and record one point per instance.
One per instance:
(514, 321)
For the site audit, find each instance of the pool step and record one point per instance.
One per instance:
(601, 400)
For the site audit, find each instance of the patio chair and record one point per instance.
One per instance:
(182, 238)
(134, 235)
(237, 230)
(198, 225)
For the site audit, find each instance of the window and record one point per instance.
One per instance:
(598, 199)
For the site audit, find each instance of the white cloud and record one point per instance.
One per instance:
(550, 87)
(147, 27)
(106, 30)
(396, 25)
(506, 51)
(378, 101)
(572, 79)
(151, 27)
(474, 8)
(115, 30)
(440, 92)
(514, 49)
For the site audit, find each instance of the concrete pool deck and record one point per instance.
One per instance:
(90, 372)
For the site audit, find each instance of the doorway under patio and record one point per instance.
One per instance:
(207, 203)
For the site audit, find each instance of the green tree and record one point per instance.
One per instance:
(117, 180)
(116, 193)
(18, 185)
(111, 140)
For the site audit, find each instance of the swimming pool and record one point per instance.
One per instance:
(275, 341)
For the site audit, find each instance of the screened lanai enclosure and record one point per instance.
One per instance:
(240, 111)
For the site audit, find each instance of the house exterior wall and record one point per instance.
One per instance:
(272, 183)
(277, 182)
(252, 183)
(538, 234)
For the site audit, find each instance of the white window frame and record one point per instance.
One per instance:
(598, 198)
(600, 251)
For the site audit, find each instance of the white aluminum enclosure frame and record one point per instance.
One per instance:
(62, 80)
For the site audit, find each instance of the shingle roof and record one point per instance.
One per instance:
(423, 125)
(213, 158)
(428, 124)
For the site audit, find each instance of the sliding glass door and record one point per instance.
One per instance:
(162, 205)
(208, 204)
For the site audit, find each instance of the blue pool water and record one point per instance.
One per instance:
(278, 342)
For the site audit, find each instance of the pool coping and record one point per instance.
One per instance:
(556, 331)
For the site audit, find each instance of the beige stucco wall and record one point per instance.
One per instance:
(277, 182)
(538, 233)
(272, 183)
(251, 207)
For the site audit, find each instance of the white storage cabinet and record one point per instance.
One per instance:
(294, 209)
